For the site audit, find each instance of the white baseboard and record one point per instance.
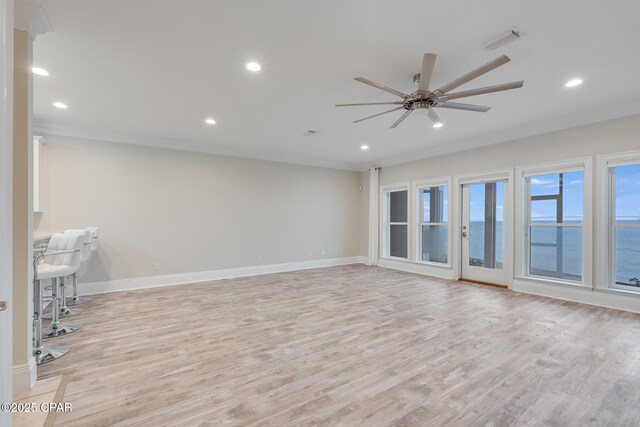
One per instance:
(24, 376)
(206, 276)
(602, 298)
(412, 267)
(599, 297)
(619, 300)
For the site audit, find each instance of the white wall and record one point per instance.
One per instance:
(611, 136)
(191, 212)
(590, 140)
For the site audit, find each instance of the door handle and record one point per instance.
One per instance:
(3, 305)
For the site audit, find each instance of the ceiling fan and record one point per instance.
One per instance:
(425, 99)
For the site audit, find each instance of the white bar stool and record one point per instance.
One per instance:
(43, 354)
(85, 253)
(63, 262)
(92, 245)
(42, 271)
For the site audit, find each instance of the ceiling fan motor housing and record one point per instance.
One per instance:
(418, 100)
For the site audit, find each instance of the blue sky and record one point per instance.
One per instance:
(627, 195)
(628, 192)
(426, 208)
(573, 188)
(476, 200)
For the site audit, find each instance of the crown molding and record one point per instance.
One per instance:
(30, 17)
(510, 135)
(46, 128)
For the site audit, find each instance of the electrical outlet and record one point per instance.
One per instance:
(156, 266)
(324, 252)
(310, 253)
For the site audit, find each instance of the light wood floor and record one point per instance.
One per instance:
(49, 390)
(345, 346)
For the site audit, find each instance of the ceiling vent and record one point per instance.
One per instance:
(502, 39)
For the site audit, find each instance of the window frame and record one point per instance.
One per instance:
(385, 224)
(607, 224)
(418, 186)
(523, 209)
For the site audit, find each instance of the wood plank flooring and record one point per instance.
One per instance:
(350, 345)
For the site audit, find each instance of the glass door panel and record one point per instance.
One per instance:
(483, 232)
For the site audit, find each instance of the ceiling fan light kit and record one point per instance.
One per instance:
(425, 99)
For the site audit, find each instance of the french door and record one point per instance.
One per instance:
(483, 231)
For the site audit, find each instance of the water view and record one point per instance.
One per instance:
(545, 259)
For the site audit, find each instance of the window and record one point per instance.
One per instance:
(554, 225)
(396, 222)
(624, 226)
(433, 224)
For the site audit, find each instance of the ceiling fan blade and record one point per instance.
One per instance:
(435, 118)
(428, 62)
(379, 114)
(402, 117)
(467, 107)
(474, 74)
(482, 90)
(382, 87)
(370, 103)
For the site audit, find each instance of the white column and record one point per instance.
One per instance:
(30, 21)
(374, 195)
(24, 366)
(6, 203)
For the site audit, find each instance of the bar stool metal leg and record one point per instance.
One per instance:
(41, 353)
(75, 299)
(56, 328)
(64, 310)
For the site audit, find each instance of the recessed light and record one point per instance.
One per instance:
(253, 66)
(60, 105)
(573, 83)
(364, 147)
(40, 71)
(438, 125)
(210, 122)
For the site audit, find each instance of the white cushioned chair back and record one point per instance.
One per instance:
(59, 245)
(73, 242)
(65, 242)
(54, 243)
(86, 248)
(94, 232)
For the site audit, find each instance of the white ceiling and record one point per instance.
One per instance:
(151, 71)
